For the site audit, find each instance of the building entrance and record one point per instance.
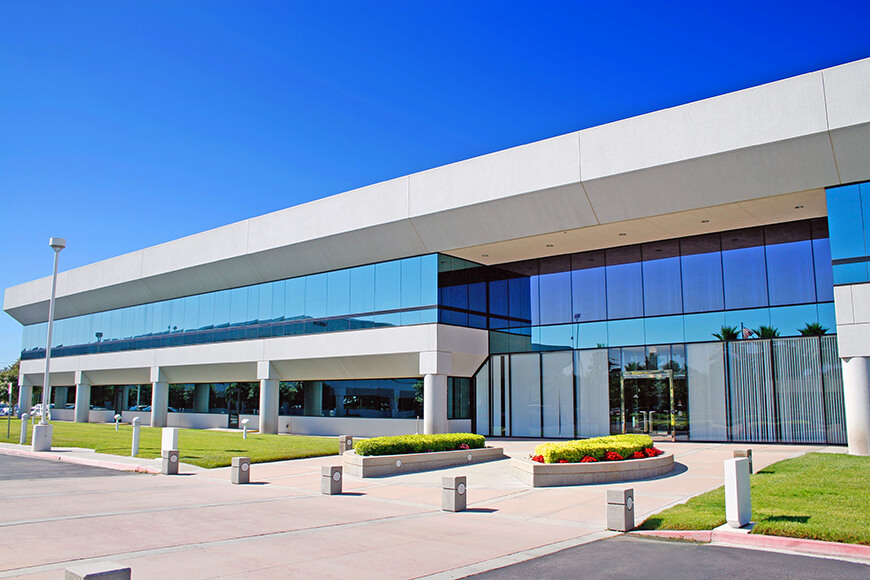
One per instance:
(647, 403)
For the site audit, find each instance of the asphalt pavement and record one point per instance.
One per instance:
(630, 557)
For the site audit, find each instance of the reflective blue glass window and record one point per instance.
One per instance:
(845, 221)
(591, 335)
(752, 319)
(662, 288)
(428, 279)
(238, 306)
(498, 303)
(625, 332)
(315, 296)
(388, 286)
(788, 320)
(338, 293)
(556, 337)
(264, 303)
(554, 290)
(701, 266)
(624, 283)
(700, 327)
(588, 288)
(744, 269)
(823, 269)
(362, 289)
(790, 271)
(663, 329)
(411, 280)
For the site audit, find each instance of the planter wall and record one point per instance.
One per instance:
(537, 474)
(384, 465)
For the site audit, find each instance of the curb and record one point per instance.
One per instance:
(47, 455)
(816, 547)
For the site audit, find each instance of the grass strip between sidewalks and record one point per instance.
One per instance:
(819, 496)
(197, 447)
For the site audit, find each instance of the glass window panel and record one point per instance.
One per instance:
(362, 289)
(222, 315)
(850, 273)
(388, 286)
(525, 394)
(592, 335)
(662, 288)
(664, 329)
(264, 303)
(338, 293)
(294, 299)
(700, 327)
(315, 296)
(278, 300)
(238, 305)
(751, 319)
(414, 317)
(824, 272)
(827, 318)
(845, 222)
(744, 270)
(519, 301)
(555, 298)
(625, 332)
(477, 296)
(253, 305)
(556, 337)
(498, 303)
(701, 271)
(191, 313)
(790, 273)
(411, 283)
(557, 386)
(789, 319)
(624, 283)
(588, 288)
(428, 279)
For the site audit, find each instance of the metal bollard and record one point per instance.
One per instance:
(94, 570)
(245, 428)
(330, 481)
(25, 420)
(738, 498)
(117, 420)
(345, 443)
(747, 453)
(620, 509)
(170, 462)
(453, 496)
(241, 470)
(134, 449)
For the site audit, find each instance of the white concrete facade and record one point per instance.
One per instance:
(759, 156)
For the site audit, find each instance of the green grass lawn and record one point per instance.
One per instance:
(819, 496)
(197, 447)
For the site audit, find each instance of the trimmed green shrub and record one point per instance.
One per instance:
(574, 451)
(401, 444)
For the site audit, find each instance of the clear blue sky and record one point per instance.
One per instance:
(128, 124)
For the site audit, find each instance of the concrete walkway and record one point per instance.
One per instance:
(198, 525)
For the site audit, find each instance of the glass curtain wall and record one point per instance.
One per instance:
(366, 398)
(396, 293)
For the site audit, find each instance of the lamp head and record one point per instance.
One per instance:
(57, 244)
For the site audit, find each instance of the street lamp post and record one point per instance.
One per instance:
(42, 431)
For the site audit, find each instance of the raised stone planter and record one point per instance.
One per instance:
(383, 465)
(554, 474)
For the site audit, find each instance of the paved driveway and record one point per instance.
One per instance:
(13, 468)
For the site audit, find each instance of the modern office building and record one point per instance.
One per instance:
(700, 271)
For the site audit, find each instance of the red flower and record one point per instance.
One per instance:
(613, 456)
(650, 451)
(588, 459)
(563, 461)
(638, 455)
(538, 458)
(464, 446)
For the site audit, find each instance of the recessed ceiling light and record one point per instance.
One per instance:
(549, 245)
(705, 221)
(484, 255)
(623, 234)
(798, 207)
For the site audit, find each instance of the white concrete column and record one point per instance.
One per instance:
(200, 398)
(83, 397)
(856, 399)
(60, 395)
(435, 366)
(25, 396)
(159, 398)
(268, 397)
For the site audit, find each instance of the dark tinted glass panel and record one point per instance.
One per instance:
(498, 304)
(662, 290)
(519, 301)
(701, 264)
(790, 275)
(624, 283)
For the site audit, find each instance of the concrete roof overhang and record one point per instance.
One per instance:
(741, 159)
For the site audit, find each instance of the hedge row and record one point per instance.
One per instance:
(401, 444)
(574, 451)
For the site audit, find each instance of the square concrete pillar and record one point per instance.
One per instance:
(345, 443)
(330, 480)
(169, 438)
(620, 509)
(240, 472)
(83, 402)
(747, 453)
(738, 499)
(453, 493)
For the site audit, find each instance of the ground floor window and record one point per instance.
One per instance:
(367, 398)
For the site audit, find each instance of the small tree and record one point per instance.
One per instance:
(9, 374)
(813, 329)
(767, 332)
(727, 333)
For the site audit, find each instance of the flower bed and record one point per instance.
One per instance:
(403, 444)
(598, 460)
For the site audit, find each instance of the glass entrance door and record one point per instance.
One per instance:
(647, 403)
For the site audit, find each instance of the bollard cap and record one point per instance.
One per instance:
(621, 496)
(454, 482)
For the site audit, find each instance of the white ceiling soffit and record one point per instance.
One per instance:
(796, 135)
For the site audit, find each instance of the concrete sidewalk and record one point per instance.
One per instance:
(201, 526)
